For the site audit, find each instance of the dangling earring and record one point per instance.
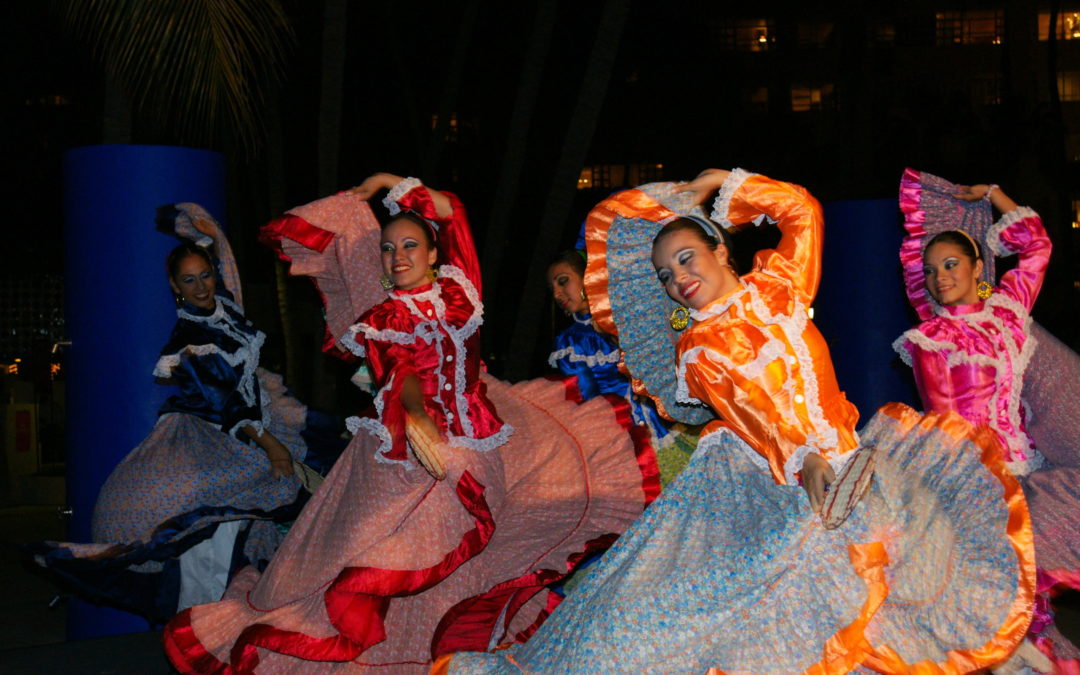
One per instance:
(584, 298)
(179, 299)
(984, 290)
(387, 284)
(680, 318)
(432, 274)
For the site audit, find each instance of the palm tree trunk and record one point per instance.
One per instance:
(559, 203)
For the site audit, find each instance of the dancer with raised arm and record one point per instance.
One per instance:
(971, 352)
(200, 496)
(737, 567)
(456, 504)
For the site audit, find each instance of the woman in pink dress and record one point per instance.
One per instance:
(974, 345)
(456, 504)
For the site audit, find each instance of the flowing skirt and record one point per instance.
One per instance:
(170, 494)
(386, 567)
(729, 571)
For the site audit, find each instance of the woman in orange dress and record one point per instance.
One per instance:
(732, 569)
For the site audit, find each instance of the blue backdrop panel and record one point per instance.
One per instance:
(861, 307)
(119, 313)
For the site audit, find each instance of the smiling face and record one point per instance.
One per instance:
(195, 281)
(952, 277)
(566, 288)
(692, 274)
(407, 255)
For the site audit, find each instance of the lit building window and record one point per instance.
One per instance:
(1076, 214)
(1068, 25)
(1069, 86)
(984, 27)
(611, 176)
(744, 35)
(814, 34)
(813, 97)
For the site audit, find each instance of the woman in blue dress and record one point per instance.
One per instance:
(592, 358)
(199, 497)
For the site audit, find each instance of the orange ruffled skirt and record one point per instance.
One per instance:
(728, 572)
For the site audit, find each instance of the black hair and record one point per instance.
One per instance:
(707, 238)
(429, 234)
(967, 245)
(185, 250)
(572, 257)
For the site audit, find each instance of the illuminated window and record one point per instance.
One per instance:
(1069, 86)
(611, 176)
(744, 35)
(1076, 214)
(970, 28)
(1068, 25)
(814, 34)
(455, 127)
(807, 97)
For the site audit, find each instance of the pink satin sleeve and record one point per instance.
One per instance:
(798, 216)
(1027, 237)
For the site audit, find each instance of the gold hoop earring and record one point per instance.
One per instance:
(984, 290)
(679, 318)
(432, 274)
(387, 284)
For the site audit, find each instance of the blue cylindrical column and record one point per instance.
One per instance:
(119, 312)
(861, 307)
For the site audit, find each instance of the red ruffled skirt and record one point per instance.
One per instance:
(387, 568)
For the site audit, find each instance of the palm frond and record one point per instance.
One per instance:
(199, 68)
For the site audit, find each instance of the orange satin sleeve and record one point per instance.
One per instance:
(629, 204)
(799, 217)
(747, 406)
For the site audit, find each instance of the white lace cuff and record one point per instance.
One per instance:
(1007, 220)
(722, 203)
(390, 201)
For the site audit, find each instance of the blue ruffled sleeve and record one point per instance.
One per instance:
(583, 352)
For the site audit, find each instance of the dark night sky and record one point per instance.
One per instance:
(674, 98)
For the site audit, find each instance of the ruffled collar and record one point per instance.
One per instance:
(583, 318)
(186, 310)
(721, 304)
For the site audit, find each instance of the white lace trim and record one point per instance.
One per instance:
(823, 435)
(1017, 355)
(583, 319)
(592, 361)
(1024, 467)
(1007, 220)
(723, 307)
(707, 442)
(390, 201)
(722, 203)
(682, 392)
(247, 353)
(432, 330)
(484, 444)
